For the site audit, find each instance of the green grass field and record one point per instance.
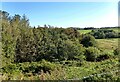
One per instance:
(115, 29)
(84, 31)
(108, 44)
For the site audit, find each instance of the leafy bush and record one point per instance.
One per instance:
(104, 33)
(33, 67)
(117, 51)
(88, 40)
(71, 63)
(91, 53)
(11, 69)
(69, 50)
(104, 55)
(108, 77)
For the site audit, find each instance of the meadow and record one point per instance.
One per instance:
(84, 31)
(108, 44)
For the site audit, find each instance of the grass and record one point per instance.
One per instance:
(84, 31)
(108, 44)
(115, 29)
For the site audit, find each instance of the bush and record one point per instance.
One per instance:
(33, 67)
(10, 68)
(117, 51)
(104, 33)
(47, 66)
(71, 63)
(105, 77)
(69, 50)
(104, 55)
(91, 53)
(88, 40)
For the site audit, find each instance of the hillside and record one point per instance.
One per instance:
(52, 53)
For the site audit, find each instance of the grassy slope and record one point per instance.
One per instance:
(109, 44)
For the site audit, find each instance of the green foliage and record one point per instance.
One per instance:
(88, 40)
(33, 67)
(104, 33)
(117, 51)
(104, 55)
(103, 77)
(108, 44)
(49, 53)
(91, 53)
(11, 69)
(71, 51)
(10, 32)
(24, 44)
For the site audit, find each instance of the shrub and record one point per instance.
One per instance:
(36, 67)
(104, 55)
(47, 66)
(33, 67)
(88, 40)
(117, 51)
(104, 33)
(91, 53)
(69, 50)
(105, 77)
(10, 68)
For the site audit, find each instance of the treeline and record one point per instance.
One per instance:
(94, 28)
(22, 43)
(104, 33)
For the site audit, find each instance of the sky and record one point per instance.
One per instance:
(66, 14)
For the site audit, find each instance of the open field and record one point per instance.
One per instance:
(84, 31)
(109, 44)
(115, 29)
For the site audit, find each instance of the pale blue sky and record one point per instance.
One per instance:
(66, 14)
